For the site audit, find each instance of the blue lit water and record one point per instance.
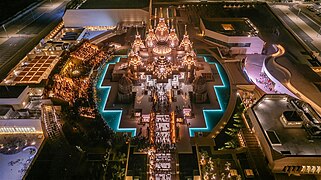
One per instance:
(112, 117)
(211, 116)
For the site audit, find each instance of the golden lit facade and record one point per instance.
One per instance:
(162, 58)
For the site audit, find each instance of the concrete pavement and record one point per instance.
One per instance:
(314, 35)
(23, 34)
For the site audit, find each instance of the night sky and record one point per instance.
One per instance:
(10, 7)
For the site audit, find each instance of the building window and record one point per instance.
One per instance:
(227, 44)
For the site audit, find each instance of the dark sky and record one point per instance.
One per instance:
(10, 7)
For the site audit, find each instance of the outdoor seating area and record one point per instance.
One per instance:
(12, 144)
(70, 89)
(86, 51)
(32, 70)
(15, 166)
(73, 82)
(217, 168)
(266, 81)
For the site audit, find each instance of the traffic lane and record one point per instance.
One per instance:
(10, 47)
(298, 31)
(36, 26)
(308, 21)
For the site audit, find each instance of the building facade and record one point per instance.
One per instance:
(237, 34)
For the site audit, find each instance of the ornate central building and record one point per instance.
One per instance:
(161, 58)
(161, 74)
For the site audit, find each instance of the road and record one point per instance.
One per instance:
(303, 27)
(25, 32)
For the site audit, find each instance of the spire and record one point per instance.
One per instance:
(150, 23)
(150, 8)
(185, 29)
(167, 13)
(137, 31)
(155, 17)
(161, 12)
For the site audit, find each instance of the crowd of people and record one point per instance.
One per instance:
(216, 168)
(87, 112)
(70, 86)
(69, 68)
(70, 89)
(89, 56)
(248, 98)
(97, 59)
(12, 144)
(266, 81)
(86, 51)
(161, 157)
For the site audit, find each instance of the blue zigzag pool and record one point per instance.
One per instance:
(211, 116)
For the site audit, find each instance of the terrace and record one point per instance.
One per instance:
(288, 141)
(32, 70)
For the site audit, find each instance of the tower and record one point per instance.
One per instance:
(200, 89)
(125, 86)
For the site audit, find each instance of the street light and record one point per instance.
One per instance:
(5, 30)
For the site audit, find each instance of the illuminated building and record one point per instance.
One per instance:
(289, 133)
(237, 34)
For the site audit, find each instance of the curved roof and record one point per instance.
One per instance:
(125, 81)
(199, 80)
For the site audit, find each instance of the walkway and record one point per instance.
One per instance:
(256, 154)
(58, 142)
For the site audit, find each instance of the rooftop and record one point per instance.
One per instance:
(4, 109)
(114, 4)
(11, 91)
(292, 141)
(292, 116)
(231, 26)
(32, 70)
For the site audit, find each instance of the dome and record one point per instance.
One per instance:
(125, 81)
(173, 39)
(150, 39)
(162, 50)
(199, 84)
(125, 85)
(186, 43)
(161, 31)
(138, 43)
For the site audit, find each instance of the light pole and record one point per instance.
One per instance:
(5, 30)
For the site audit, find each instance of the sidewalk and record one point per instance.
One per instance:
(314, 35)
